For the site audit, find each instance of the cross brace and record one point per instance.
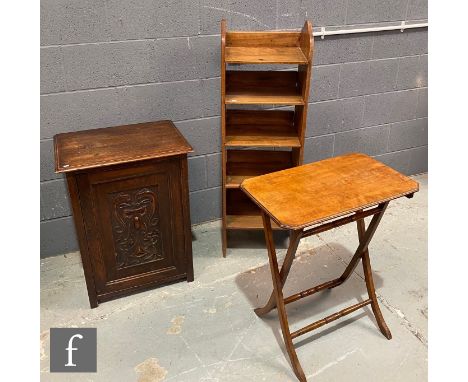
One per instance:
(279, 277)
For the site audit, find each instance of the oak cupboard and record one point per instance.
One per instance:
(128, 187)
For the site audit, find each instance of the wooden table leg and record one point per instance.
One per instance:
(358, 255)
(361, 225)
(294, 239)
(278, 291)
(279, 278)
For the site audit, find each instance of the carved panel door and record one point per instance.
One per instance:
(136, 231)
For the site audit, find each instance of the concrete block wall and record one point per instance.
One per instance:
(114, 62)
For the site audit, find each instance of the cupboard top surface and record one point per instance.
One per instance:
(116, 145)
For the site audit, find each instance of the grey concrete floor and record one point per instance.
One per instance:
(207, 330)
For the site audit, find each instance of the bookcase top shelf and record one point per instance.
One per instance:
(269, 47)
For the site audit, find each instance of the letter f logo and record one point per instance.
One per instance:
(70, 349)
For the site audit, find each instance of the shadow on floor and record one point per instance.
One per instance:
(311, 267)
(256, 239)
(251, 239)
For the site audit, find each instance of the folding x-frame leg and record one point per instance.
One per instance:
(279, 278)
(278, 292)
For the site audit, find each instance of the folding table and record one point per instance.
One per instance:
(317, 197)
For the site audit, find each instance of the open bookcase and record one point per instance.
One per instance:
(266, 139)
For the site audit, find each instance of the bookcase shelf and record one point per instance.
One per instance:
(242, 213)
(243, 164)
(263, 87)
(261, 128)
(257, 142)
(264, 55)
(247, 222)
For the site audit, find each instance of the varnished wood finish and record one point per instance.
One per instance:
(185, 209)
(392, 185)
(267, 88)
(241, 212)
(309, 292)
(325, 190)
(261, 128)
(248, 39)
(132, 219)
(265, 55)
(339, 222)
(330, 318)
(82, 240)
(306, 41)
(285, 268)
(121, 144)
(361, 226)
(277, 47)
(252, 222)
(242, 164)
(278, 291)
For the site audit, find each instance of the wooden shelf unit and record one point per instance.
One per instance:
(257, 142)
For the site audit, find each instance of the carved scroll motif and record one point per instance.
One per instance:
(135, 227)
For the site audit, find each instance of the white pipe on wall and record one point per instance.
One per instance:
(323, 32)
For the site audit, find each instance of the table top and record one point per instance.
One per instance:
(314, 193)
(116, 145)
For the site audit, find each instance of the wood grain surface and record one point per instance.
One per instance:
(320, 191)
(114, 145)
